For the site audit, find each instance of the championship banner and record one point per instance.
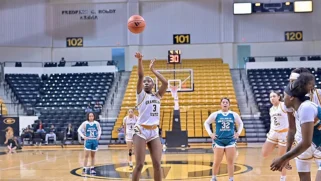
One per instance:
(8, 124)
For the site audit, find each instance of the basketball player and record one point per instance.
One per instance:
(278, 130)
(224, 137)
(92, 131)
(307, 116)
(146, 130)
(303, 161)
(129, 123)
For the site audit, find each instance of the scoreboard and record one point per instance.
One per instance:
(174, 57)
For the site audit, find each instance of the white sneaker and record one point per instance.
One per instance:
(213, 179)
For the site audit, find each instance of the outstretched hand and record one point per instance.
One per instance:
(138, 55)
(151, 65)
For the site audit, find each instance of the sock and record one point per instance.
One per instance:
(231, 179)
(282, 178)
(92, 167)
(214, 177)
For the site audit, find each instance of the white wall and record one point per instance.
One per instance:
(14, 54)
(24, 121)
(25, 23)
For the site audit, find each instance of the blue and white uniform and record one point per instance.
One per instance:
(92, 131)
(225, 126)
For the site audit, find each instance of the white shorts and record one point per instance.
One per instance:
(129, 136)
(146, 134)
(277, 138)
(303, 161)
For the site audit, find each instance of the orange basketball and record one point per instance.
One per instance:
(136, 24)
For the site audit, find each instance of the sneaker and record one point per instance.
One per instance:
(84, 171)
(213, 179)
(92, 171)
(131, 165)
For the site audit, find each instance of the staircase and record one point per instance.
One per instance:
(14, 108)
(255, 129)
(112, 106)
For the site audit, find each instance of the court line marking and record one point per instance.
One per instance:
(31, 163)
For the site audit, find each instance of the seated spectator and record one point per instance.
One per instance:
(121, 133)
(97, 107)
(12, 145)
(51, 134)
(69, 133)
(88, 109)
(40, 127)
(27, 133)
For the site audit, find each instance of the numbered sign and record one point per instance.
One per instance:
(174, 57)
(182, 39)
(293, 36)
(74, 42)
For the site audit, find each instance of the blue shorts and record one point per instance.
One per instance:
(91, 145)
(224, 143)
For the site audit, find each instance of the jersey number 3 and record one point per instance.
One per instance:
(276, 123)
(154, 107)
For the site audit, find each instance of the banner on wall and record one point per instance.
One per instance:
(7, 123)
(86, 14)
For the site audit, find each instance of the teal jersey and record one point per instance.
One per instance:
(91, 130)
(225, 125)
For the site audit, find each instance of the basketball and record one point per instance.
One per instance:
(136, 24)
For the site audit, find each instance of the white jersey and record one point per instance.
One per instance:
(307, 112)
(130, 123)
(279, 117)
(148, 108)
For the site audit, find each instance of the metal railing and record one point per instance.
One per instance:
(67, 63)
(12, 109)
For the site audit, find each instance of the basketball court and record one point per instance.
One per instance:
(177, 164)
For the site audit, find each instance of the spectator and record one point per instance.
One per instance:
(88, 109)
(12, 145)
(97, 107)
(51, 134)
(69, 133)
(40, 127)
(121, 133)
(27, 133)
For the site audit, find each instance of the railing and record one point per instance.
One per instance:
(272, 58)
(67, 63)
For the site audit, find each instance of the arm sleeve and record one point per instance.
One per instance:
(99, 129)
(124, 120)
(307, 113)
(210, 120)
(81, 129)
(239, 122)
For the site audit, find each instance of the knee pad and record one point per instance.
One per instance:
(303, 166)
(130, 152)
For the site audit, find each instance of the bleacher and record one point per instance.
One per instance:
(212, 81)
(61, 98)
(265, 80)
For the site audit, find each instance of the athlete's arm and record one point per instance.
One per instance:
(239, 122)
(208, 122)
(124, 124)
(140, 70)
(307, 114)
(163, 88)
(291, 132)
(81, 129)
(99, 130)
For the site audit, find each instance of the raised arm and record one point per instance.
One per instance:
(140, 70)
(163, 88)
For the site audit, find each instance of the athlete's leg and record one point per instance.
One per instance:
(140, 152)
(218, 157)
(130, 150)
(282, 151)
(87, 152)
(92, 155)
(267, 148)
(303, 167)
(230, 155)
(155, 149)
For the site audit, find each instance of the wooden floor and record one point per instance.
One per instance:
(177, 164)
